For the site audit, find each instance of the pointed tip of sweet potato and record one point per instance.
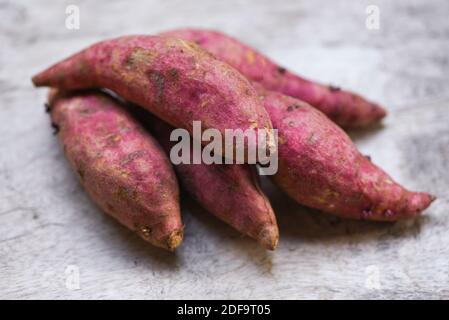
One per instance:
(409, 207)
(417, 202)
(380, 113)
(268, 236)
(174, 240)
(39, 79)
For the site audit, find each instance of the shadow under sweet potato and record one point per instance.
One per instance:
(363, 133)
(244, 247)
(305, 224)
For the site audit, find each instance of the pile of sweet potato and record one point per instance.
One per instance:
(181, 76)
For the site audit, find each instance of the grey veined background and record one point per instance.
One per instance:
(50, 232)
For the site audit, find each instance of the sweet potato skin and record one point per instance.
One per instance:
(174, 79)
(343, 107)
(231, 192)
(122, 168)
(320, 167)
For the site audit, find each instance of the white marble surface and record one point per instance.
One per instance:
(48, 224)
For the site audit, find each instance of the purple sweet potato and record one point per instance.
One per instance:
(343, 107)
(320, 167)
(229, 191)
(122, 168)
(172, 78)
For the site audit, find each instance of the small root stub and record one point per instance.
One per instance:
(174, 240)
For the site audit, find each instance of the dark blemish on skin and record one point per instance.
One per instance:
(159, 81)
(174, 74)
(125, 193)
(55, 128)
(110, 207)
(128, 62)
(199, 40)
(368, 157)
(47, 107)
(86, 111)
(233, 187)
(137, 57)
(83, 68)
(334, 88)
(132, 156)
(195, 96)
(281, 70)
(292, 107)
(80, 172)
(35, 216)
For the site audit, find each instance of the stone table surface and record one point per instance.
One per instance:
(52, 235)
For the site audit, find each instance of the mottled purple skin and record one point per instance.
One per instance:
(343, 107)
(120, 165)
(172, 78)
(320, 167)
(230, 192)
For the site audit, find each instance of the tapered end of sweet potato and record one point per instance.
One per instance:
(384, 199)
(410, 205)
(414, 204)
(364, 113)
(380, 113)
(43, 78)
(268, 236)
(174, 240)
(417, 202)
(169, 242)
(69, 73)
(38, 80)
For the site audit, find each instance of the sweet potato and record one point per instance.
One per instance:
(320, 167)
(230, 192)
(343, 107)
(172, 78)
(122, 168)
